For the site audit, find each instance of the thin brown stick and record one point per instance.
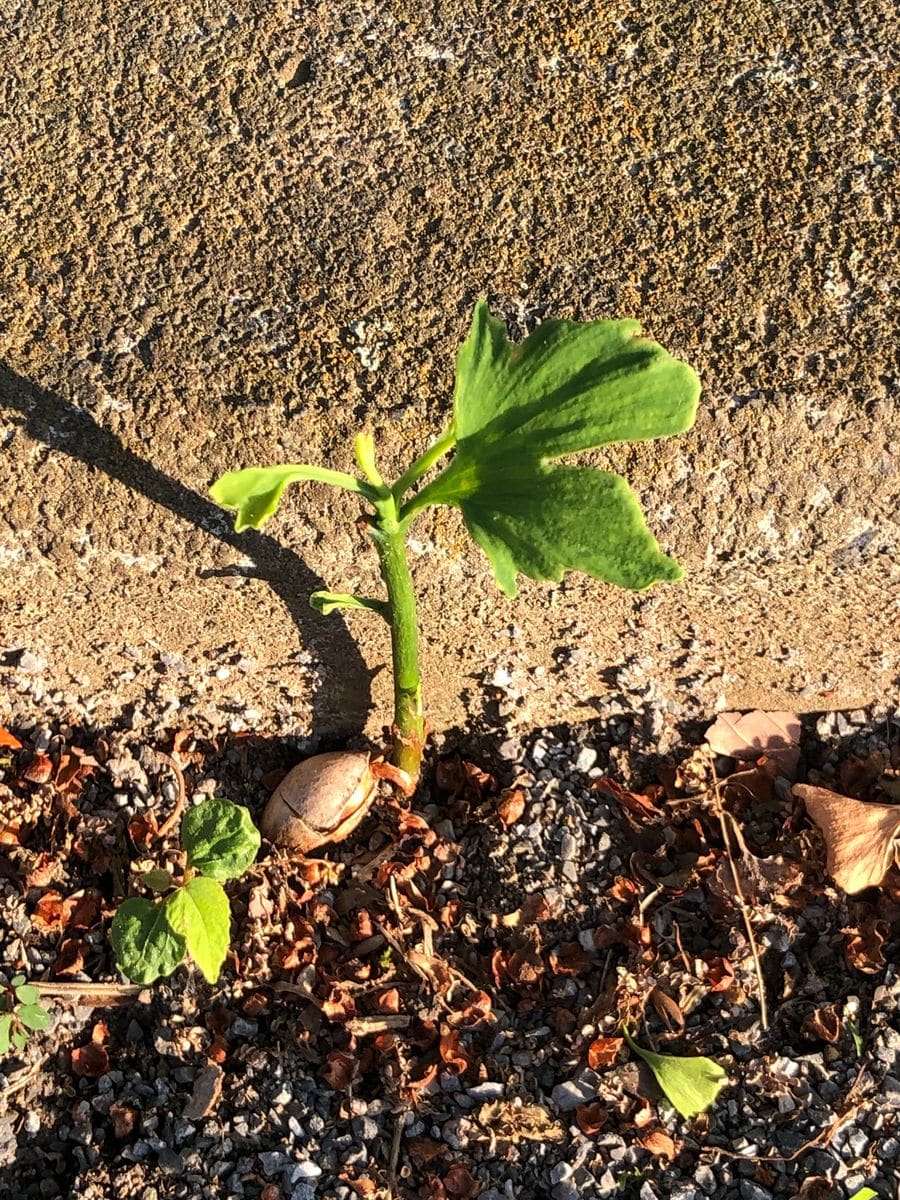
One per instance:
(100, 995)
(172, 820)
(395, 1153)
(822, 1138)
(724, 818)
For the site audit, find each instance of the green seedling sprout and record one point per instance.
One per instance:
(191, 915)
(568, 387)
(21, 1013)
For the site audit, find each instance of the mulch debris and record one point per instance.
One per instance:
(434, 1007)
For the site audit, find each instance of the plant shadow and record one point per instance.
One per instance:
(71, 430)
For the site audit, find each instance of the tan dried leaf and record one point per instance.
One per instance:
(862, 840)
(750, 735)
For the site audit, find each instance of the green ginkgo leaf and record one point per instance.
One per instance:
(690, 1084)
(570, 386)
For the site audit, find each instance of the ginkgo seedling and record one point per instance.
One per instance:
(569, 386)
(691, 1085)
(21, 1014)
(191, 915)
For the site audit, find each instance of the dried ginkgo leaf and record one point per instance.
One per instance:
(862, 840)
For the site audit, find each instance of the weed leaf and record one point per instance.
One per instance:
(200, 912)
(5, 1029)
(220, 838)
(145, 944)
(27, 993)
(690, 1084)
(33, 1016)
(568, 387)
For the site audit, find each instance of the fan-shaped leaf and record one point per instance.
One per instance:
(690, 1084)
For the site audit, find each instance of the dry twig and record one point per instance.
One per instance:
(726, 823)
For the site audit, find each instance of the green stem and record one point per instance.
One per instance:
(409, 722)
(425, 462)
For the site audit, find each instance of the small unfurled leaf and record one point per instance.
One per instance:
(33, 1016)
(19, 1037)
(145, 944)
(200, 912)
(865, 1193)
(256, 491)
(570, 386)
(750, 735)
(5, 1029)
(220, 838)
(17, 981)
(26, 993)
(690, 1084)
(862, 840)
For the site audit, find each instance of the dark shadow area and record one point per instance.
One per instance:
(73, 431)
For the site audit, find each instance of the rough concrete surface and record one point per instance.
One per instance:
(237, 233)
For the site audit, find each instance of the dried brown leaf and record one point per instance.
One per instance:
(511, 805)
(864, 947)
(604, 1051)
(9, 740)
(637, 805)
(124, 1118)
(667, 1008)
(824, 1023)
(658, 1143)
(461, 1184)
(591, 1118)
(90, 1061)
(862, 840)
(751, 735)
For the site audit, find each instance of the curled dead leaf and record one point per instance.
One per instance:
(591, 1118)
(861, 840)
(124, 1118)
(824, 1023)
(90, 1061)
(658, 1143)
(864, 947)
(604, 1051)
(511, 805)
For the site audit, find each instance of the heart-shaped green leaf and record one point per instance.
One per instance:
(5, 1030)
(145, 944)
(220, 838)
(568, 387)
(690, 1084)
(200, 911)
(33, 1016)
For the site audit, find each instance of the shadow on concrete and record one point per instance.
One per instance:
(71, 430)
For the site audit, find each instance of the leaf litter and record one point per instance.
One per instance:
(438, 979)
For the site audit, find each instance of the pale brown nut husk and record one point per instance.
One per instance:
(321, 800)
